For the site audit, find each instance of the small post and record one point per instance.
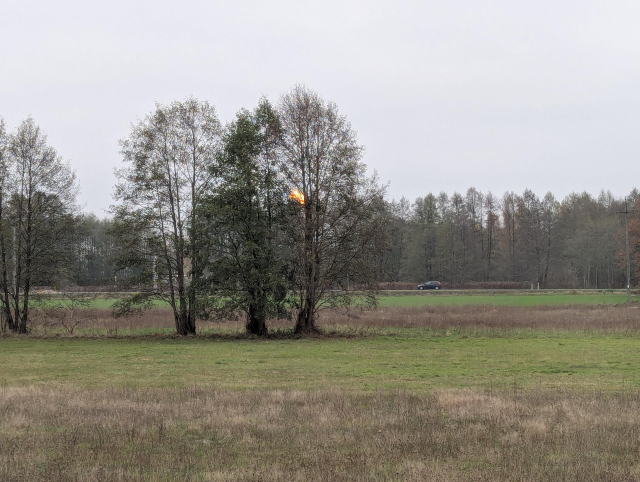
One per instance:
(626, 227)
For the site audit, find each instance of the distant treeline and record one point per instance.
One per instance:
(472, 240)
(521, 239)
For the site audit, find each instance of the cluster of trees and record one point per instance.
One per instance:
(93, 266)
(517, 239)
(206, 219)
(273, 215)
(270, 216)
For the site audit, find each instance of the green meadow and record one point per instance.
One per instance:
(415, 359)
(503, 299)
(408, 299)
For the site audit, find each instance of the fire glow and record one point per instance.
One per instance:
(297, 196)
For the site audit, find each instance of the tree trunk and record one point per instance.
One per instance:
(306, 322)
(184, 324)
(256, 316)
(17, 278)
(24, 318)
(256, 325)
(22, 327)
(6, 304)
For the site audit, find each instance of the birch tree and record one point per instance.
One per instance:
(169, 157)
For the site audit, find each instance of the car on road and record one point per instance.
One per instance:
(430, 285)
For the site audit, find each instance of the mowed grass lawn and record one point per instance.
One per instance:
(417, 360)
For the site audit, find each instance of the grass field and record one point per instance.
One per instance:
(407, 299)
(409, 393)
(503, 299)
(417, 360)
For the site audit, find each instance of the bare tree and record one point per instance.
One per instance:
(69, 310)
(548, 221)
(474, 201)
(422, 238)
(461, 239)
(399, 213)
(341, 219)
(38, 219)
(492, 208)
(169, 157)
(509, 209)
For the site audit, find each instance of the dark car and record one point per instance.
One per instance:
(430, 285)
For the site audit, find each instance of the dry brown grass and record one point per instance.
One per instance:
(605, 318)
(205, 435)
(102, 321)
(560, 317)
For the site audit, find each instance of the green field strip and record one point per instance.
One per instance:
(503, 299)
(412, 359)
(452, 298)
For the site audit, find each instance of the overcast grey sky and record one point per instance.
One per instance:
(500, 95)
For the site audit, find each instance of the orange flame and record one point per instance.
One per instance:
(296, 195)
